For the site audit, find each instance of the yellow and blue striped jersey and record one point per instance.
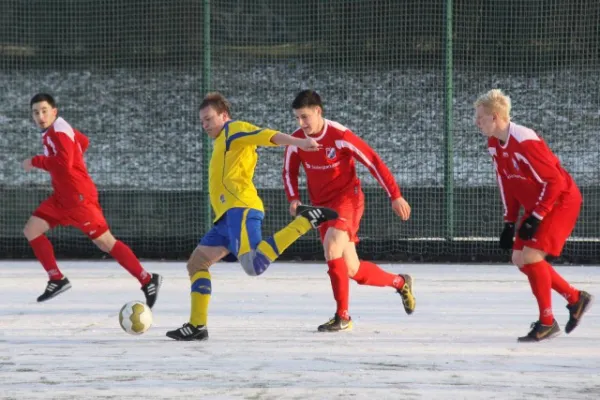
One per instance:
(232, 166)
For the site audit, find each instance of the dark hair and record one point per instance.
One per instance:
(39, 97)
(307, 98)
(217, 101)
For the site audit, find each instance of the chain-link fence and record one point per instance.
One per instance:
(401, 74)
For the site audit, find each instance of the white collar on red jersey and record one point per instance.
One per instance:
(511, 127)
(322, 135)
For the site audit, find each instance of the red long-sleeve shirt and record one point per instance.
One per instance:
(63, 159)
(331, 171)
(528, 174)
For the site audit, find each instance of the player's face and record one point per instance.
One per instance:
(485, 121)
(309, 119)
(43, 114)
(212, 122)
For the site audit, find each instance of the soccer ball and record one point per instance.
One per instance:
(135, 317)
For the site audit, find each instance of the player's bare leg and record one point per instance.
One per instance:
(124, 255)
(35, 227)
(334, 243)
(203, 257)
(198, 265)
(370, 274)
(105, 242)
(517, 258)
(34, 231)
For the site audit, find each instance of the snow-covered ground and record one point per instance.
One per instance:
(145, 133)
(459, 344)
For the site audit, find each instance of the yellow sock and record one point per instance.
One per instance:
(200, 296)
(282, 239)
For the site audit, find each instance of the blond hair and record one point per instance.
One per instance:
(495, 101)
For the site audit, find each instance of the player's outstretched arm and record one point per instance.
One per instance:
(306, 144)
(270, 137)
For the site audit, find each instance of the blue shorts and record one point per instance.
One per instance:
(239, 230)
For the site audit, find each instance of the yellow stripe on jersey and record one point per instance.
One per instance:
(232, 166)
(258, 137)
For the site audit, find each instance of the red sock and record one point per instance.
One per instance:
(123, 254)
(372, 275)
(562, 287)
(338, 273)
(541, 286)
(44, 252)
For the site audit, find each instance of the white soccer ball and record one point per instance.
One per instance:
(135, 317)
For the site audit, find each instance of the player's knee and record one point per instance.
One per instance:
(334, 244)
(32, 233)
(247, 263)
(333, 250)
(254, 263)
(33, 228)
(104, 245)
(105, 242)
(197, 264)
(204, 257)
(29, 233)
(352, 268)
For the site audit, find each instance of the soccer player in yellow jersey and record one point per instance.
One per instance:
(238, 209)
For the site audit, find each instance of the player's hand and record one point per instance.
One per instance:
(507, 236)
(528, 228)
(27, 165)
(293, 205)
(401, 208)
(309, 144)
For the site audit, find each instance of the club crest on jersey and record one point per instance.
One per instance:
(330, 152)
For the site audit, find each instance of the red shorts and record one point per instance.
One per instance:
(554, 229)
(350, 211)
(87, 216)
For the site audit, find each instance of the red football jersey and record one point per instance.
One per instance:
(63, 159)
(331, 171)
(528, 173)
